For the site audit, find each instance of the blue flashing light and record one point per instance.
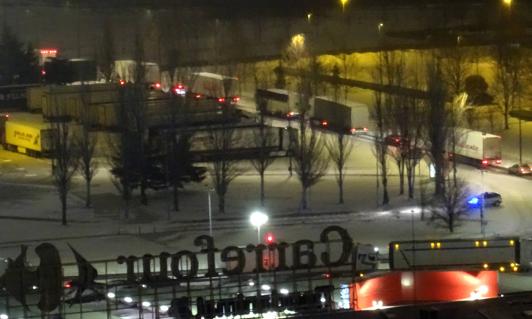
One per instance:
(473, 201)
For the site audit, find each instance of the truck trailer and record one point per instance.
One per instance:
(279, 103)
(26, 136)
(348, 118)
(478, 148)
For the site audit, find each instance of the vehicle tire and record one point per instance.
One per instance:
(497, 204)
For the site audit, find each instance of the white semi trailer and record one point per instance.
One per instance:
(477, 148)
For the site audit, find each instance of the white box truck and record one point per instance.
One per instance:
(477, 147)
(212, 86)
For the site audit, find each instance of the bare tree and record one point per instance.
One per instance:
(310, 164)
(455, 68)
(262, 140)
(224, 168)
(106, 54)
(448, 209)
(437, 123)
(510, 71)
(340, 147)
(64, 157)
(86, 144)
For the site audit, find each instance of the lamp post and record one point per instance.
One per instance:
(258, 219)
(209, 201)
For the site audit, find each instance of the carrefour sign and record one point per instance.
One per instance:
(334, 249)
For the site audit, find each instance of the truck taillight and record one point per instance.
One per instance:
(485, 162)
(324, 123)
(221, 99)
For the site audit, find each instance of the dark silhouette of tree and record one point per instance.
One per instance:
(262, 140)
(510, 70)
(437, 123)
(340, 147)
(107, 56)
(448, 209)
(476, 88)
(64, 156)
(280, 76)
(17, 65)
(86, 144)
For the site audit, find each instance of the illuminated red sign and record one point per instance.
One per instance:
(407, 287)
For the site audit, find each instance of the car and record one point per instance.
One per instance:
(395, 140)
(486, 199)
(520, 169)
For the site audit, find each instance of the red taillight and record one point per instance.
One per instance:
(353, 130)
(43, 72)
(198, 96)
(290, 114)
(365, 129)
(67, 284)
(270, 238)
(122, 82)
(221, 99)
(236, 99)
(327, 275)
(157, 85)
(397, 140)
(485, 162)
(324, 123)
(498, 161)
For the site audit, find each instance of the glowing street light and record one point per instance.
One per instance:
(380, 26)
(507, 3)
(257, 220)
(343, 3)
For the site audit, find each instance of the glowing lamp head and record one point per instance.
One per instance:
(257, 219)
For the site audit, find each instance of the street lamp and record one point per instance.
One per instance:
(507, 3)
(257, 219)
(343, 3)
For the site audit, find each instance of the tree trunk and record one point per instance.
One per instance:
(401, 177)
(143, 196)
(63, 196)
(385, 197)
(451, 223)
(340, 188)
(410, 175)
(176, 197)
(88, 194)
(262, 189)
(304, 203)
(221, 203)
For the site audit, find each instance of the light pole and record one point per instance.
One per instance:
(209, 190)
(258, 219)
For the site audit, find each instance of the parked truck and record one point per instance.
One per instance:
(477, 148)
(214, 87)
(502, 253)
(348, 118)
(279, 103)
(31, 137)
